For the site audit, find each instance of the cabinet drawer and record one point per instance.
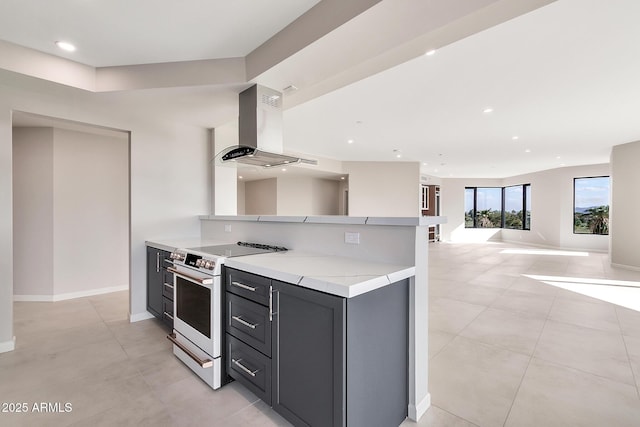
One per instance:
(167, 312)
(248, 285)
(167, 289)
(249, 322)
(250, 367)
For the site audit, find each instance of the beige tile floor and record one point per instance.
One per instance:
(505, 349)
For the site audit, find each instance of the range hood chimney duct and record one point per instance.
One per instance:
(260, 131)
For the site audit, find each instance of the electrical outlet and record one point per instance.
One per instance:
(227, 228)
(352, 238)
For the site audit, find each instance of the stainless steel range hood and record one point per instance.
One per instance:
(260, 131)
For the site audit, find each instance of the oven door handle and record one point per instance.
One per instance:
(206, 363)
(205, 281)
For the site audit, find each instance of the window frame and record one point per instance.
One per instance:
(525, 226)
(573, 222)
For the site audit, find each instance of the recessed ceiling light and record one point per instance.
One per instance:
(430, 52)
(515, 137)
(267, 166)
(398, 155)
(342, 177)
(283, 169)
(558, 157)
(425, 164)
(527, 151)
(350, 141)
(240, 177)
(488, 110)
(66, 46)
(562, 164)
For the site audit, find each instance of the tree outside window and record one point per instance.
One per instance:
(591, 205)
(498, 207)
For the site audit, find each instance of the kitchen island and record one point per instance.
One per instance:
(350, 259)
(322, 339)
(376, 241)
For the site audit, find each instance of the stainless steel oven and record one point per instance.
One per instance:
(197, 323)
(197, 315)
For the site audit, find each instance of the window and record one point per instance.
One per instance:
(425, 197)
(591, 205)
(496, 207)
(517, 207)
(483, 207)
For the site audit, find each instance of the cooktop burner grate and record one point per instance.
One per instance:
(262, 246)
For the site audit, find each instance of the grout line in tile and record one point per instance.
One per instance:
(636, 380)
(515, 396)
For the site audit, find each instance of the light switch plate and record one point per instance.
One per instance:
(352, 238)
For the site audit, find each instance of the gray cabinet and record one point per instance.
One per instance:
(159, 285)
(248, 329)
(309, 356)
(330, 361)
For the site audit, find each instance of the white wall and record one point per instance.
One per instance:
(383, 188)
(290, 196)
(71, 213)
(551, 209)
(294, 195)
(326, 197)
(625, 205)
(169, 182)
(7, 340)
(241, 197)
(261, 197)
(225, 177)
(302, 195)
(91, 212)
(33, 211)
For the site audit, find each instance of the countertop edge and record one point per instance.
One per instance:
(333, 219)
(324, 283)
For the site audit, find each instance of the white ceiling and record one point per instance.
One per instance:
(125, 32)
(563, 78)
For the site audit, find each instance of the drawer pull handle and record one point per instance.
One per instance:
(244, 322)
(168, 315)
(204, 363)
(244, 368)
(243, 286)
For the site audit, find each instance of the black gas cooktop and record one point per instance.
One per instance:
(237, 249)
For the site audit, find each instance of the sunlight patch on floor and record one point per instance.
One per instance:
(619, 292)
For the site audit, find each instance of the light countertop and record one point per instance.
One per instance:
(184, 243)
(341, 276)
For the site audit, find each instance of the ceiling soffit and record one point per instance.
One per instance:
(310, 50)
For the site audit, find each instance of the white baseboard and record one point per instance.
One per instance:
(70, 295)
(417, 411)
(140, 316)
(625, 267)
(8, 345)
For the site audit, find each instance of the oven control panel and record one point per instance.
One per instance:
(208, 264)
(178, 256)
(193, 260)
